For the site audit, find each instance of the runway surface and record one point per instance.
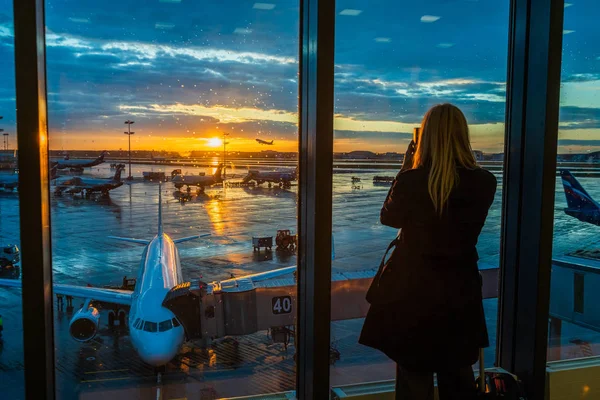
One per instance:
(233, 366)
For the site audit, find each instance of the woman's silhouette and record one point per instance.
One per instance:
(435, 322)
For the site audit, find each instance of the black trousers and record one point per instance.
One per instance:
(457, 384)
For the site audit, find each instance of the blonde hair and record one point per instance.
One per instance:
(443, 145)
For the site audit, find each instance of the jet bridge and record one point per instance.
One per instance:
(267, 301)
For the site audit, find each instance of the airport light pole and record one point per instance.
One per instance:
(225, 154)
(129, 133)
(5, 139)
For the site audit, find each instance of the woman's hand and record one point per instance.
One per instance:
(408, 157)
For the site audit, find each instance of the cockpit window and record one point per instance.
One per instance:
(175, 322)
(139, 324)
(135, 324)
(165, 326)
(150, 326)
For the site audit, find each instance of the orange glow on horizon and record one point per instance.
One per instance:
(214, 142)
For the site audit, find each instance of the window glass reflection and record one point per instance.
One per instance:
(392, 63)
(12, 384)
(173, 133)
(573, 325)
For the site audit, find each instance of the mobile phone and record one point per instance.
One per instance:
(416, 133)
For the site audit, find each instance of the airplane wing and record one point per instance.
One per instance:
(114, 296)
(131, 240)
(185, 239)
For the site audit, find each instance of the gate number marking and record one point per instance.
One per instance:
(281, 305)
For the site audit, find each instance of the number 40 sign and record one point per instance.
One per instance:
(281, 304)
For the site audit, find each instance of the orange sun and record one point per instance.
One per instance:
(214, 142)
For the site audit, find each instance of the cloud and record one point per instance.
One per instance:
(445, 45)
(350, 12)
(579, 142)
(220, 113)
(263, 6)
(5, 31)
(429, 18)
(242, 31)
(383, 39)
(567, 31)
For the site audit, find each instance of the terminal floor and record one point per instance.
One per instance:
(247, 365)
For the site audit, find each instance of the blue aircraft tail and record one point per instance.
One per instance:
(577, 197)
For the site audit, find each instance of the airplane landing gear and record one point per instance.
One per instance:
(111, 318)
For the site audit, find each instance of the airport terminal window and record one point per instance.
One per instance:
(393, 62)
(11, 313)
(574, 328)
(203, 98)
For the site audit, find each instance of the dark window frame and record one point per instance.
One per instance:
(530, 164)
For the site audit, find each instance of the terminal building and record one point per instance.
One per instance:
(288, 120)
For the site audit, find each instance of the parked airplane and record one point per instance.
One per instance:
(155, 331)
(283, 179)
(77, 184)
(9, 181)
(78, 164)
(200, 181)
(264, 142)
(580, 203)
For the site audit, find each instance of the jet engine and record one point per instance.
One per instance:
(84, 325)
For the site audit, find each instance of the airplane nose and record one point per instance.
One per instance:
(158, 350)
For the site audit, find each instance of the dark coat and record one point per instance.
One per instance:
(437, 321)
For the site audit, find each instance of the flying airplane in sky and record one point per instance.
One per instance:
(580, 203)
(78, 164)
(201, 181)
(9, 181)
(77, 184)
(155, 331)
(264, 142)
(282, 178)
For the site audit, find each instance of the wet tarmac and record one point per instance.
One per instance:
(232, 366)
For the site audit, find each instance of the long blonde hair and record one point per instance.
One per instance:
(443, 145)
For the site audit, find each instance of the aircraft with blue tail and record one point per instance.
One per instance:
(580, 204)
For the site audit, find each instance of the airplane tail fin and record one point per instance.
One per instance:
(576, 195)
(117, 177)
(218, 172)
(160, 222)
(53, 172)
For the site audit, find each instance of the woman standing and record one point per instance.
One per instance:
(431, 319)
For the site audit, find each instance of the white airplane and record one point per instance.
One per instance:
(156, 333)
(78, 165)
(282, 178)
(78, 184)
(201, 181)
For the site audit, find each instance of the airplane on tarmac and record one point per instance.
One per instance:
(264, 142)
(283, 179)
(78, 165)
(77, 184)
(201, 181)
(156, 333)
(580, 203)
(9, 181)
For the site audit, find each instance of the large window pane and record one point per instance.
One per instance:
(574, 314)
(12, 385)
(205, 96)
(393, 62)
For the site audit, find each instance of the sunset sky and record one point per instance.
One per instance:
(186, 71)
